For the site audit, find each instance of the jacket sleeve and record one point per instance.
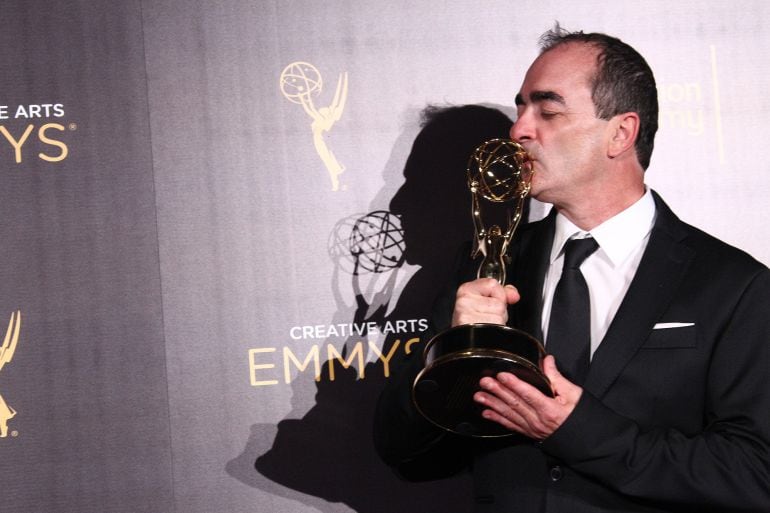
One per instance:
(416, 448)
(405, 440)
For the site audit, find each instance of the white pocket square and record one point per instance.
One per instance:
(669, 325)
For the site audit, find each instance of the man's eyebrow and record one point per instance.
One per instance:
(540, 96)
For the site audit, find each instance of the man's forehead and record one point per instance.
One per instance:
(556, 74)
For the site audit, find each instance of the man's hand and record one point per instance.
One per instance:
(520, 407)
(483, 300)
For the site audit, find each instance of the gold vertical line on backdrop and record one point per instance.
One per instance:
(717, 105)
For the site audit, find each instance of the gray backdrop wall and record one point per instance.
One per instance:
(224, 223)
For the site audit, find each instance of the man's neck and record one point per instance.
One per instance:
(595, 209)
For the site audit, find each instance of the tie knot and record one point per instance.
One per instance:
(577, 250)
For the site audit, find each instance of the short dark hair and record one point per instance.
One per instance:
(623, 83)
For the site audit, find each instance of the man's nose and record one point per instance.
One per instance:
(522, 129)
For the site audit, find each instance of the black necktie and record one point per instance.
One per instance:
(569, 328)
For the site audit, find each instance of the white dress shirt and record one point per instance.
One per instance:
(608, 271)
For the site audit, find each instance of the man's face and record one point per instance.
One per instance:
(557, 124)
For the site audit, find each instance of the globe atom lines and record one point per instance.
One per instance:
(300, 80)
(377, 240)
(500, 170)
(372, 243)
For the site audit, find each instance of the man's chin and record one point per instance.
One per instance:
(535, 191)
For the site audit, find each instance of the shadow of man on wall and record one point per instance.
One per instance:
(328, 455)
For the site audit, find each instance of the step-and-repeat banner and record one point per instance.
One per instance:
(224, 223)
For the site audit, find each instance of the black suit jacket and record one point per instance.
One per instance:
(675, 413)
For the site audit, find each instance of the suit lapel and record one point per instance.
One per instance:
(530, 268)
(659, 274)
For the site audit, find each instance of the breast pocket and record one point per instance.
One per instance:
(676, 337)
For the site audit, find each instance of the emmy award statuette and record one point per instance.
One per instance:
(456, 359)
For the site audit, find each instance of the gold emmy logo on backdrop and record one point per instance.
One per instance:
(6, 354)
(300, 81)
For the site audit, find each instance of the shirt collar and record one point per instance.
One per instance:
(617, 236)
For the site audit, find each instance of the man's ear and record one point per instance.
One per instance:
(624, 129)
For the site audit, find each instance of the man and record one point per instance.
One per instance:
(668, 407)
